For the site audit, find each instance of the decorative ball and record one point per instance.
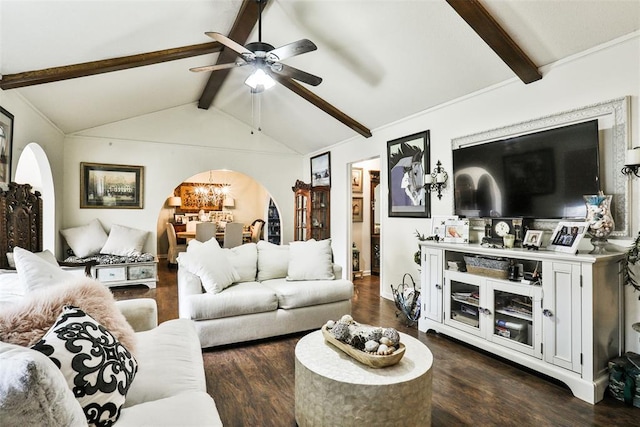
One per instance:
(371, 346)
(341, 331)
(358, 342)
(375, 334)
(330, 324)
(382, 349)
(385, 341)
(346, 319)
(393, 335)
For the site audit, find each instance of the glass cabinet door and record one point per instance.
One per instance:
(516, 321)
(463, 308)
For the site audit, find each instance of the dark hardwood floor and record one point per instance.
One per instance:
(253, 383)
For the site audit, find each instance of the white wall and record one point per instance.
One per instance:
(174, 145)
(31, 126)
(602, 74)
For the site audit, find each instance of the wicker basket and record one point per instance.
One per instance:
(490, 267)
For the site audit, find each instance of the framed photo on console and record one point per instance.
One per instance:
(456, 231)
(532, 239)
(567, 236)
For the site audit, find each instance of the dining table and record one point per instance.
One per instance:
(188, 235)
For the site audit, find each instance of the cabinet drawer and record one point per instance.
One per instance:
(140, 272)
(111, 274)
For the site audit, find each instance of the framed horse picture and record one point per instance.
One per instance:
(407, 161)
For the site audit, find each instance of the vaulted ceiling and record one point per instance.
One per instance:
(380, 60)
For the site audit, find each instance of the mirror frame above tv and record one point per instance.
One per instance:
(613, 132)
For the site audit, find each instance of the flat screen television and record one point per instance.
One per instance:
(540, 175)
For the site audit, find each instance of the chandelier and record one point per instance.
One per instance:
(211, 194)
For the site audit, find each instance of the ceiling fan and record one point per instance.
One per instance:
(265, 59)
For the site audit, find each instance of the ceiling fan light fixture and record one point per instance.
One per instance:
(259, 80)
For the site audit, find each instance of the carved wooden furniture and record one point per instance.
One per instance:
(21, 220)
(312, 208)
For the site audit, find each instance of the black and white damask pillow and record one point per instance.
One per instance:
(98, 368)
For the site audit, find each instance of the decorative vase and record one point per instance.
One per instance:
(600, 220)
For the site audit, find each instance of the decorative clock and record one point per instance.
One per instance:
(517, 226)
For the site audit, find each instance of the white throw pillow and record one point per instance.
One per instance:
(34, 392)
(310, 260)
(45, 255)
(244, 259)
(36, 272)
(211, 264)
(97, 367)
(85, 240)
(124, 241)
(273, 260)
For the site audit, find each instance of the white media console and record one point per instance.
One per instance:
(567, 325)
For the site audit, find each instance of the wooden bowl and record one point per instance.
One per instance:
(371, 360)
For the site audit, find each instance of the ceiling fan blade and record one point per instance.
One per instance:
(291, 49)
(236, 47)
(322, 104)
(295, 73)
(240, 31)
(217, 67)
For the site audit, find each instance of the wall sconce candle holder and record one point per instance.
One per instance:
(632, 162)
(437, 181)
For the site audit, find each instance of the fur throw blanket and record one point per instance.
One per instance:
(28, 321)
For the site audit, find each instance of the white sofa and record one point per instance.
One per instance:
(169, 388)
(278, 290)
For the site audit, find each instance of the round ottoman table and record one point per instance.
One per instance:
(332, 389)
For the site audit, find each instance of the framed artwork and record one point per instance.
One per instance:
(356, 209)
(456, 231)
(532, 239)
(192, 201)
(321, 170)
(438, 224)
(407, 161)
(567, 236)
(356, 180)
(6, 146)
(111, 186)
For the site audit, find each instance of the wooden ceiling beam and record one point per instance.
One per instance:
(245, 21)
(477, 17)
(305, 93)
(49, 75)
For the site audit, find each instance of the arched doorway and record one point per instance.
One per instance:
(246, 201)
(34, 168)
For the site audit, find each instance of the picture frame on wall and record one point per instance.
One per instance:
(567, 236)
(357, 207)
(108, 186)
(407, 161)
(6, 146)
(321, 170)
(356, 180)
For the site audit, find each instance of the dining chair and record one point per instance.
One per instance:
(174, 247)
(191, 226)
(233, 234)
(256, 230)
(205, 231)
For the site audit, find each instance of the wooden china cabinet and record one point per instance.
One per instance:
(312, 212)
